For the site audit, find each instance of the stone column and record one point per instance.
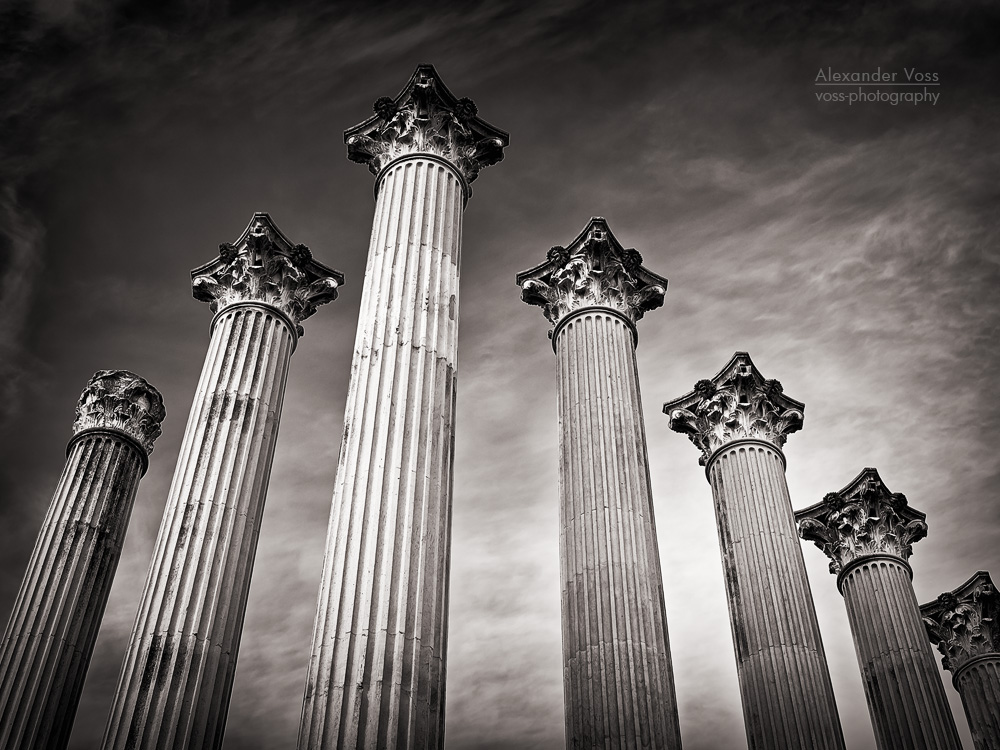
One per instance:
(867, 532)
(618, 678)
(376, 676)
(178, 673)
(965, 626)
(47, 647)
(740, 421)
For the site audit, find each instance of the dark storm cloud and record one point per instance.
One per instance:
(21, 249)
(852, 251)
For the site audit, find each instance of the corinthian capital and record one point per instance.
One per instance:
(864, 518)
(593, 271)
(121, 401)
(425, 117)
(736, 404)
(264, 266)
(965, 623)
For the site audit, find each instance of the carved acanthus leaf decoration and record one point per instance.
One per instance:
(263, 267)
(594, 271)
(736, 404)
(862, 519)
(122, 401)
(965, 623)
(426, 118)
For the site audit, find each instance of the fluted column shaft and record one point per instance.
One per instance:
(618, 684)
(47, 647)
(377, 673)
(785, 685)
(905, 694)
(964, 624)
(978, 682)
(178, 673)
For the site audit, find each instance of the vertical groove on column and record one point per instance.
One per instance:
(377, 673)
(619, 686)
(979, 686)
(905, 695)
(178, 673)
(785, 685)
(48, 644)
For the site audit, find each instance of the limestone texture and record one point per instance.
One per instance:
(177, 678)
(50, 639)
(739, 422)
(965, 626)
(868, 533)
(376, 676)
(618, 676)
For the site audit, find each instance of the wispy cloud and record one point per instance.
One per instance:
(851, 251)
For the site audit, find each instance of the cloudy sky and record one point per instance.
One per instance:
(852, 250)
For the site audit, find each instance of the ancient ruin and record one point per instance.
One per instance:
(377, 673)
(618, 678)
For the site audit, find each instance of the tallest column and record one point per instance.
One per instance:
(377, 672)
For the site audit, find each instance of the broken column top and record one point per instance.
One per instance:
(121, 401)
(426, 118)
(737, 404)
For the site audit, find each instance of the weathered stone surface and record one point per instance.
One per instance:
(868, 532)
(965, 626)
(737, 404)
(595, 270)
(618, 677)
(426, 118)
(864, 519)
(376, 677)
(738, 420)
(178, 674)
(264, 267)
(49, 641)
(123, 402)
